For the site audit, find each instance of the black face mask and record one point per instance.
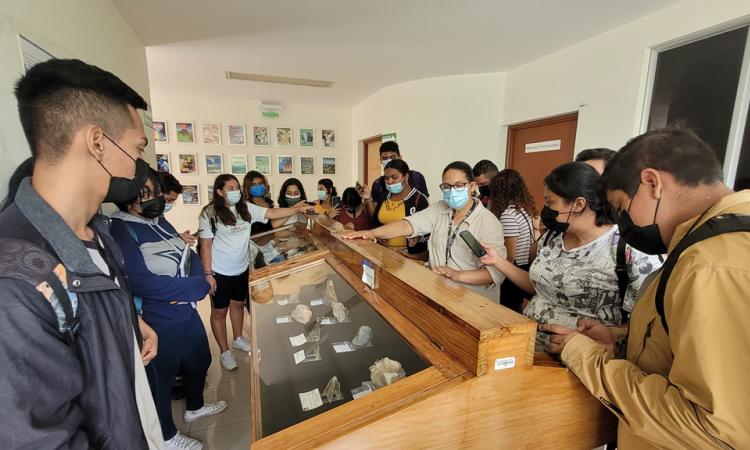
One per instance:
(151, 209)
(123, 190)
(646, 239)
(549, 220)
(484, 191)
(351, 211)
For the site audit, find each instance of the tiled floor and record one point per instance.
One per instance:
(229, 430)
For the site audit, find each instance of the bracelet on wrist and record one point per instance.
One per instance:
(208, 273)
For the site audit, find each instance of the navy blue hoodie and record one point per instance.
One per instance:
(152, 250)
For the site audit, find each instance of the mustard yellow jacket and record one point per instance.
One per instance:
(691, 388)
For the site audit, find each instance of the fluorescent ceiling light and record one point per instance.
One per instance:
(275, 79)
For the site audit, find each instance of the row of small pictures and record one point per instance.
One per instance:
(238, 164)
(211, 134)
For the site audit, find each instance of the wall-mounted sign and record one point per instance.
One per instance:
(544, 146)
(387, 137)
(271, 114)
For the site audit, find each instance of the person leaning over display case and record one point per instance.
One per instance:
(683, 381)
(354, 215)
(403, 200)
(459, 210)
(574, 274)
(224, 238)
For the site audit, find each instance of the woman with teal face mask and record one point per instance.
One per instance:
(328, 201)
(224, 238)
(403, 200)
(256, 191)
(459, 211)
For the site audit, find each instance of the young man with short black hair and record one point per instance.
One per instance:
(73, 371)
(598, 158)
(388, 152)
(483, 172)
(683, 383)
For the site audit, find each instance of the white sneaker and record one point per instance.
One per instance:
(242, 344)
(227, 360)
(207, 410)
(182, 442)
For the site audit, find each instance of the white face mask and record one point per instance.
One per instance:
(385, 162)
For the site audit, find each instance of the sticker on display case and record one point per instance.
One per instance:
(298, 340)
(366, 388)
(368, 273)
(505, 363)
(310, 400)
(283, 319)
(343, 347)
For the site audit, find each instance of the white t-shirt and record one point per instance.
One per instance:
(229, 250)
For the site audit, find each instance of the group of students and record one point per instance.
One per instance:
(99, 314)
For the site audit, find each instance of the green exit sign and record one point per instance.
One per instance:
(271, 114)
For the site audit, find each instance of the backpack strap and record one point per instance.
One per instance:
(725, 223)
(44, 273)
(212, 221)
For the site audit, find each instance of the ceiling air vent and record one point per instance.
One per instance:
(275, 79)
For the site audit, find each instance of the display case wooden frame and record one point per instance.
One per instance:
(470, 397)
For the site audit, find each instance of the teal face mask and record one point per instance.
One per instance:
(456, 198)
(322, 195)
(234, 197)
(396, 188)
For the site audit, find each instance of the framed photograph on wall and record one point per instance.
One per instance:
(236, 134)
(307, 165)
(329, 165)
(162, 162)
(209, 193)
(188, 163)
(263, 164)
(190, 195)
(185, 132)
(285, 165)
(238, 163)
(284, 136)
(160, 130)
(328, 138)
(211, 133)
(260, 136)
(306, 137)
(214, 165)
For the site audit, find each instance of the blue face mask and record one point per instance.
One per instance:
(456, 198)
(396, 188)
(234, 197)
(257, 190)
(168, 207)
(322, 195)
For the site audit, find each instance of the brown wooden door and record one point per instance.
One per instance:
(372, 169)
(536, 148)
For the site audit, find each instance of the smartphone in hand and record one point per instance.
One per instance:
(472, 242)
(336, 202)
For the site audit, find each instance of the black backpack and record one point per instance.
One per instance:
(38, 271)
(725, 223)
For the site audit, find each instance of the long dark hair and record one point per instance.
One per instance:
(247, 183)
(221, 206)
(282, 194)
(328, 183)
(508, 188)
(576, 179)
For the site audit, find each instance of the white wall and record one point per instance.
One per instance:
(200, 106)
(91, 30)
(608, 73)
(438, 120)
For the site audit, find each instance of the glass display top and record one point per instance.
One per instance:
(321, 345)
(281, 245)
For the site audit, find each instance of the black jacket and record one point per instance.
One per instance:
(51, 395)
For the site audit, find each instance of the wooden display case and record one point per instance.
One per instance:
(479, 384)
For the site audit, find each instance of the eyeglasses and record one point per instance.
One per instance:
(461, 185)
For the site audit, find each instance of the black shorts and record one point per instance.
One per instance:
(228, 288)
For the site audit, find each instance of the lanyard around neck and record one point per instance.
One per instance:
(453, 231)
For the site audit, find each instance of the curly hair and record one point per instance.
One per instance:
(508, 188)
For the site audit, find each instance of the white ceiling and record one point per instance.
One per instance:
(362, 45)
